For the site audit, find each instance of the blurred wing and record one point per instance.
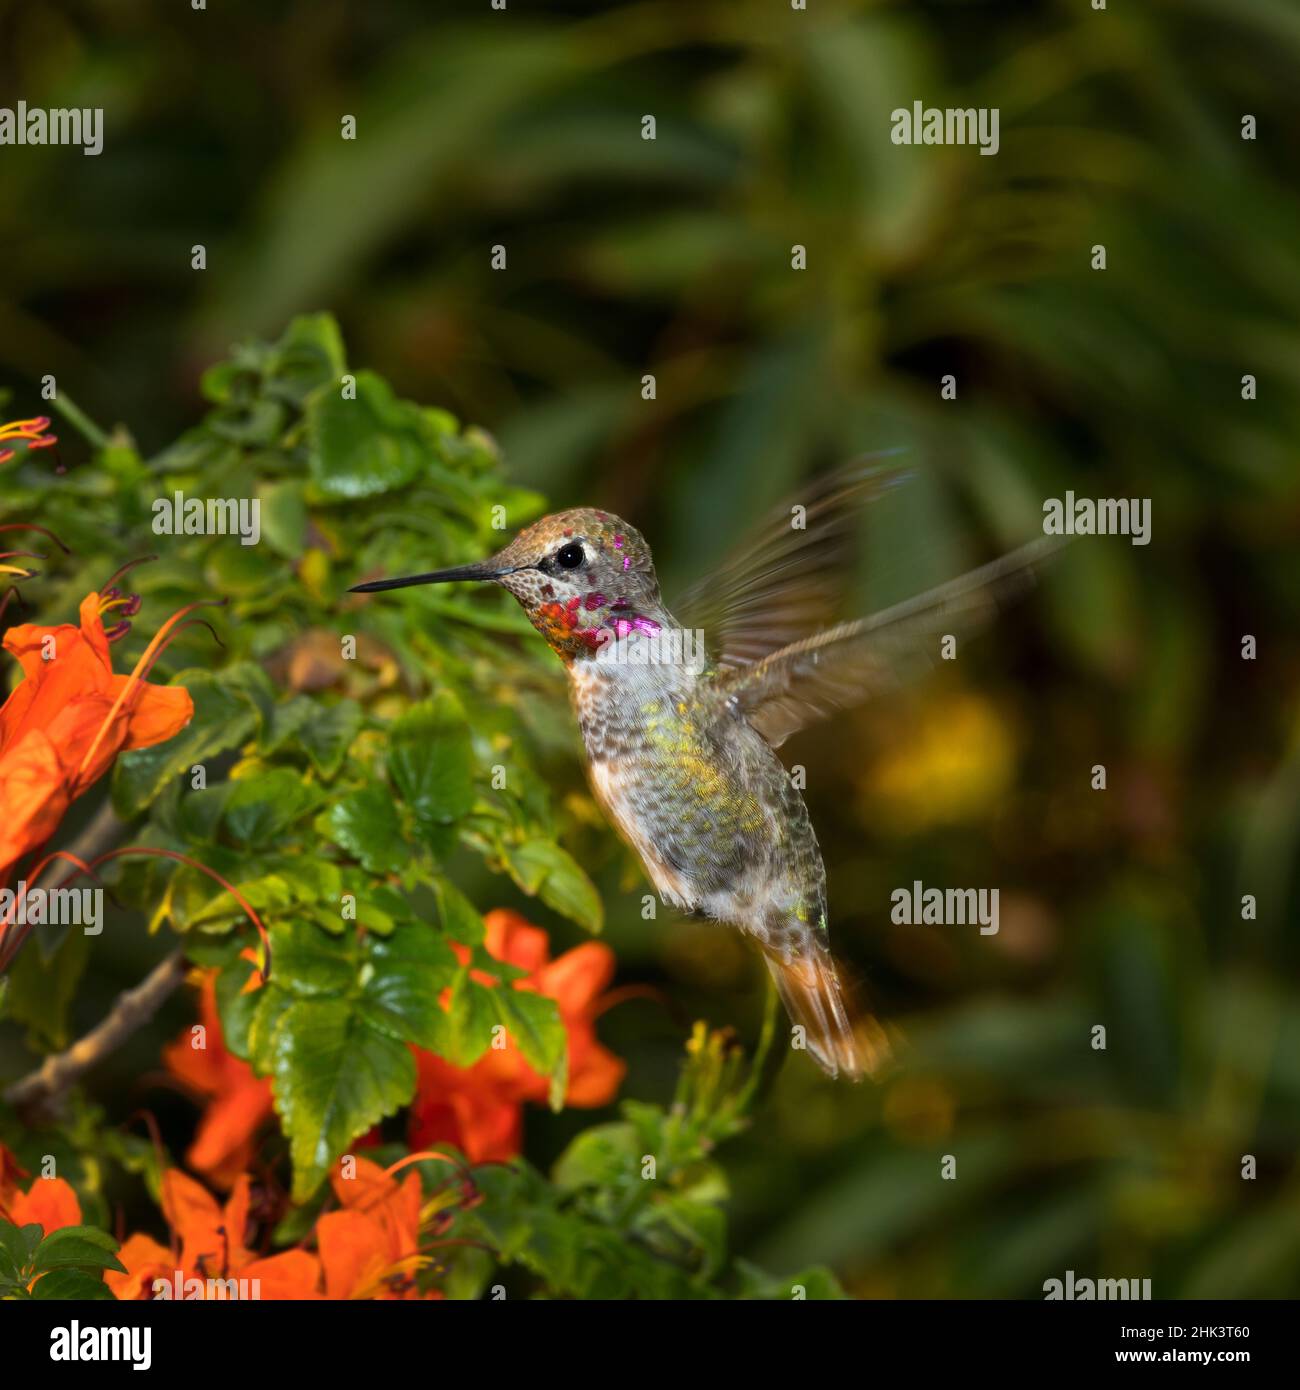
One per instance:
(850, 663)
(786, 580)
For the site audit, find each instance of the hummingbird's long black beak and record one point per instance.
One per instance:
(480, 571)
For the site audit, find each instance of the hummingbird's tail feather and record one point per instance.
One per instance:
(809, 987)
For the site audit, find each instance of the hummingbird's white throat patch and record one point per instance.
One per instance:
(681, 648)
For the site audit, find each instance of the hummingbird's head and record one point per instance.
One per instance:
(583, 577)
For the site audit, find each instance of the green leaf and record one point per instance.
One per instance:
(77, 1247)
(602, 1156)
(328, 735)
(283, 884)
(533, 1024)
(284, 517)
(228, 706)
(431, 761)
(238, 571)
(545, 868)
(263, 1031)
(71, 1285)
(236, 1008)
(308, 962)
(286, 721)
(362, 447)
(15, 1251)
(334, 1075)
(688, 1231)
(260, 808)
(366, 824)
(44, 990)
(401, 980)
(308, 356)
(808, 1284)
(332, 1029)
(380, 909)
(472, 1014)
(461, 920)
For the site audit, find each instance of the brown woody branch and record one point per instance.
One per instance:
(133, 1009)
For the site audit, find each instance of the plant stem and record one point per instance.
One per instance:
(133, 1009)
(765, 1038)
(80, 421)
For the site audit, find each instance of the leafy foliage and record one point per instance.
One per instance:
(330, 815)
(339, 767)
(64, 1264)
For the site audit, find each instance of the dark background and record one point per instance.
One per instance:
(1120, 128)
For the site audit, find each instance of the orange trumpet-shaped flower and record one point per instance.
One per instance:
(69, 717)
(31, 432)
(239, 1101)
(480, 1108)
(211, 1248)
(49, 1202)
(371, 1249)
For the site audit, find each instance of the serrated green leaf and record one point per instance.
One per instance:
(334, 1075)
(259, 809)
(366, 824)
(77, 1247)
(310, 963)
(367, 445)
(401, 980)
(532, 1022)
(431, 761)
(548, 870)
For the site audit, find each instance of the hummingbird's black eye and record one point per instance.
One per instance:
(570, 556)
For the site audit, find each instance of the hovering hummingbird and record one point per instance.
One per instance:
(681, 747)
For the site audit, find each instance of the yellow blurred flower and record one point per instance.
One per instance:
(952, 758)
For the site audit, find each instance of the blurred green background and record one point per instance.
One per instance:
(1119, 128)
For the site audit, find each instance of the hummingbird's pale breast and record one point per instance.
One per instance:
(702, 799)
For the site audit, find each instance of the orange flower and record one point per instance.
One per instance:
(31, 432)
(240, 1102)
(49, 1202)
(69, 718)
(211, 1248)
(480, 1108)
(371, 1249)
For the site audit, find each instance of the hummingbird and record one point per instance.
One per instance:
(681, 745)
